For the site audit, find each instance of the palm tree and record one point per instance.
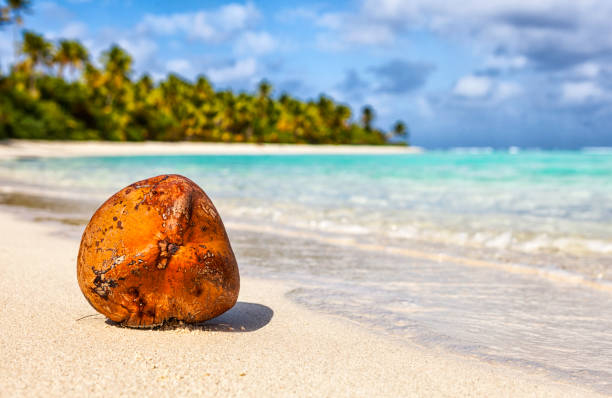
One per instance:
(367, 116)
(105, 103)
(77, 54)
(62, 56)
(117, 67)
(12, 13)
(38, 51)
(117, 62)
(144, 87)
(203, 91)
(342, 114)
(263, 114)
(400, 130)
(264, 89)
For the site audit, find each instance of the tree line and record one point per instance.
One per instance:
(54, 91)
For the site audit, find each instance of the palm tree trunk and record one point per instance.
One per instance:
(32, 82)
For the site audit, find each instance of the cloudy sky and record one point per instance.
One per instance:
(470, 73)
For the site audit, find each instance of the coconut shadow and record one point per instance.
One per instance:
(242, 317)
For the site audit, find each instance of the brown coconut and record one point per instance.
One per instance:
(157, 251)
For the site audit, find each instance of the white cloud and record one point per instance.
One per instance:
(369, 34)
(587, 70)
(506, 62)
(255, 43)
(506, 90)
(579, 92)
(73, 30)
(353, 35)
(142, 51)
(550, 34)
(345, 30)
(209, 26)
(479, 87)
(473, 86)
(241, 70)
(331, 20)
(291, 14)
(53, 10)
(236, 16)
(180, 66)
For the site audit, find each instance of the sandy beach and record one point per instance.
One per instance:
(53, 343)
(30, 148)
(429, 322)
(293, 199)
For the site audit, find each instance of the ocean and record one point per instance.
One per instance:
(502, 255)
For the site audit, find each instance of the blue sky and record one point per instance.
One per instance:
(471, 73)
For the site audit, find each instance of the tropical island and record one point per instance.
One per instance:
(55, 92)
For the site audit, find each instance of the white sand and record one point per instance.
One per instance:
(25, 148)
(48, 349)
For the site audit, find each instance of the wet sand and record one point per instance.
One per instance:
(53, 343)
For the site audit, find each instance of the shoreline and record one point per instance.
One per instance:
(43, 201)
(57, 344)
(546, 274)
(11, 149)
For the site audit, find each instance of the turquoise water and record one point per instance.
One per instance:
(523, 207)
(387, 240)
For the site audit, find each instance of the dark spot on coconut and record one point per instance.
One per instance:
(119, 225)
(103, 286)
(114, 218)
(133, 291)
(166, 250)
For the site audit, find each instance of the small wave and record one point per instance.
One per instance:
(549, 273)
(597, 150)
(472, 150)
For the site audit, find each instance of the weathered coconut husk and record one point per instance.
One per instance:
(157, 251)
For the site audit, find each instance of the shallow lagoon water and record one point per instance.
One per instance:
(547, 211)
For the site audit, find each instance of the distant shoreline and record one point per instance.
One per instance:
(10, 149)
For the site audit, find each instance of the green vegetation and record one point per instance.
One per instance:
(55, 92)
